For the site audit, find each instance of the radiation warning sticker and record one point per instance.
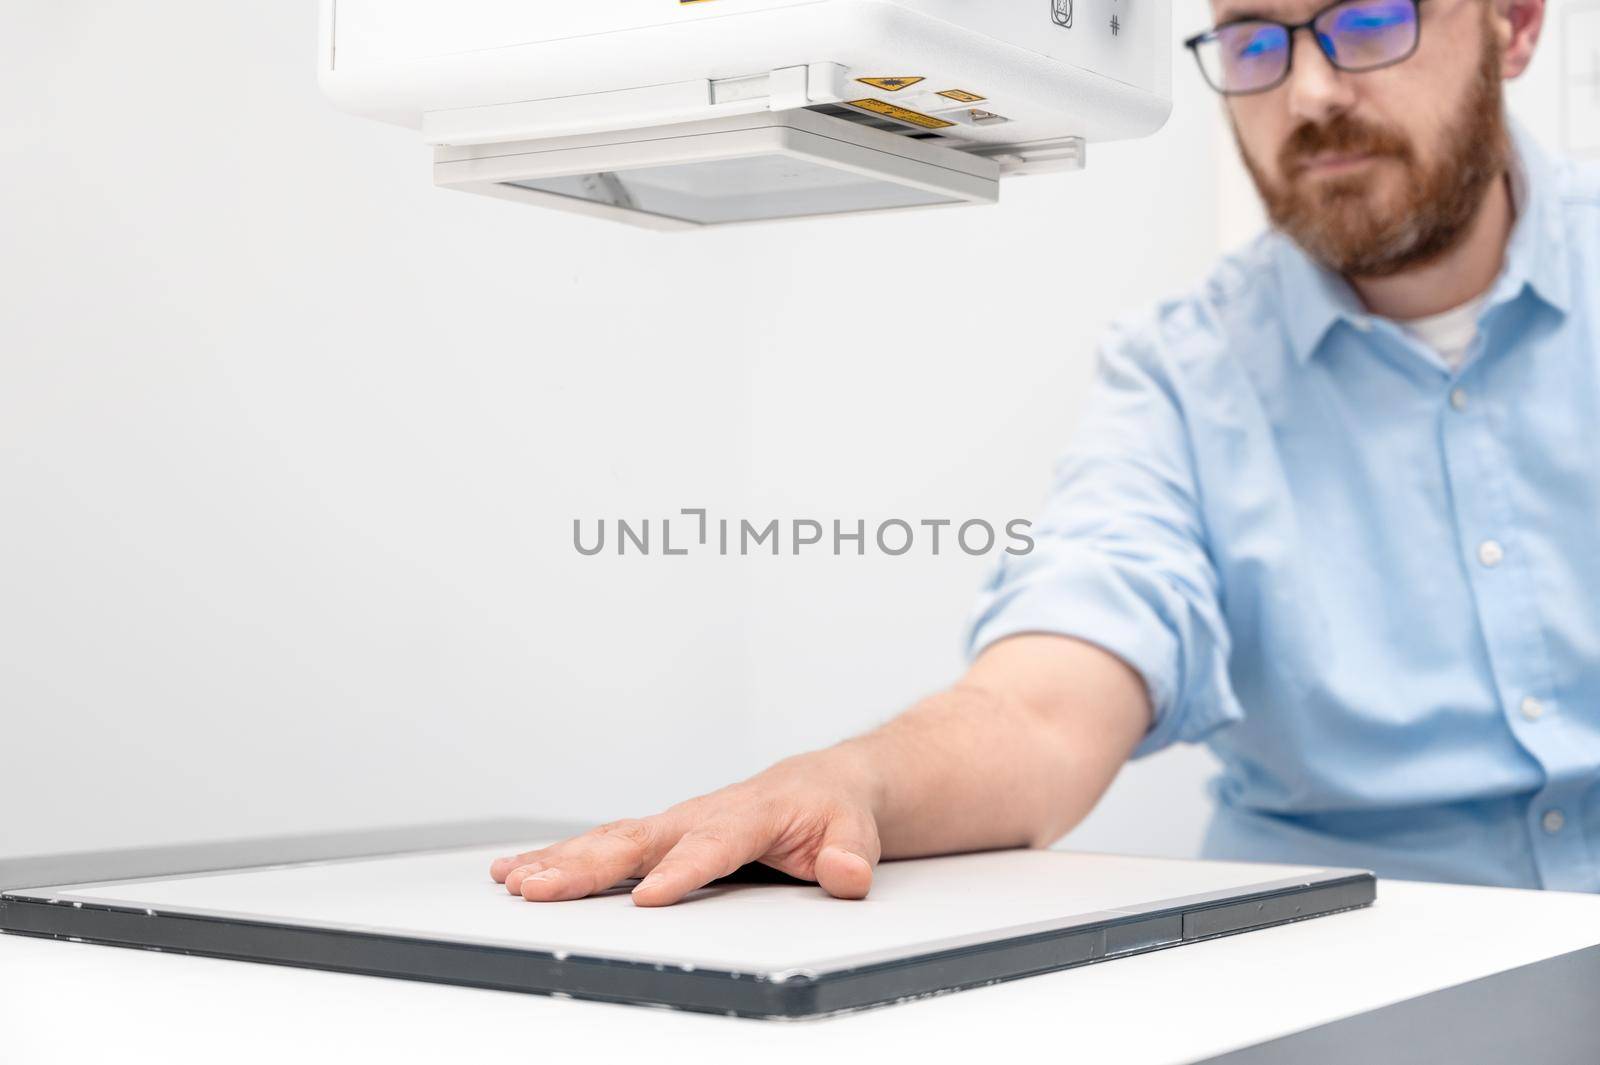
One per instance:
(890, 84)
(901, 114)
(962, 96)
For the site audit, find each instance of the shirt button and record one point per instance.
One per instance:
(1532, 709)
(1553, 821)
(1491, 554)
(1458, 399)
(1363, 325)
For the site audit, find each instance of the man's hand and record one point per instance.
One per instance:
(811, 817)
(1012, 756)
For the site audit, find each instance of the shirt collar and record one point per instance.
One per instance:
(1536, 256)
(1315, 298)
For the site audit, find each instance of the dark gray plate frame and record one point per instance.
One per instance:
(740, 994)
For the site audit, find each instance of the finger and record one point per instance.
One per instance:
(500, 868)
(597, 861)
(534, 861)
(515, 869)
(515, 878)
(850, 848)
(701, 856)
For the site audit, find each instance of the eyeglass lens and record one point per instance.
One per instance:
(1251, 56)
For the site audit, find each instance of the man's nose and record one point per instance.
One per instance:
(1317, 89)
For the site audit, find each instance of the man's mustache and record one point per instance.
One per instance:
(1342, 135)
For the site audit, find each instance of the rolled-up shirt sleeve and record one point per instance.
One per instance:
(1120, 558)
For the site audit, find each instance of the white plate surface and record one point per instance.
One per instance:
(771, 929)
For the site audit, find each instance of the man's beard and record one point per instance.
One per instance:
(1339, 222)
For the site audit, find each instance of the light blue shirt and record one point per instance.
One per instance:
(1370, 584)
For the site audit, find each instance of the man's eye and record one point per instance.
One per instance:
(1258, 46)
(1371, 20)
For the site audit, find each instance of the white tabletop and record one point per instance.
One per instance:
(65, 1002)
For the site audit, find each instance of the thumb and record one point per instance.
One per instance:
(845, 859)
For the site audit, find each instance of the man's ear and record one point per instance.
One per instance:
(1517, 22)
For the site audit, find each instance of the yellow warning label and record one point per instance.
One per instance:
(962, 96)
(901, 114)
(890, 84)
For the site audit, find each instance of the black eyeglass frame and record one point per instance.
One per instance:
(1293, 30)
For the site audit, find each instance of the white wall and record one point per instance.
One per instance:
(1562, 77)
(291, 444)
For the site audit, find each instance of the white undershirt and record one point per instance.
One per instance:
(1449, 334)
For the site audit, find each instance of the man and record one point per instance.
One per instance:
(1336, 513)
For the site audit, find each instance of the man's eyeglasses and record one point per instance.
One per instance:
(1254, 54)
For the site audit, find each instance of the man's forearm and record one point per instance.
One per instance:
(1014, 755)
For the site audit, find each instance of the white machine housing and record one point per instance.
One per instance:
(683, 113)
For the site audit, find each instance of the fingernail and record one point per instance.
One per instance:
(544, 874)
(502, 861)
(650, 881)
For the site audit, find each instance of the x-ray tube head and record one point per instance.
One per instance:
(680, 115)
